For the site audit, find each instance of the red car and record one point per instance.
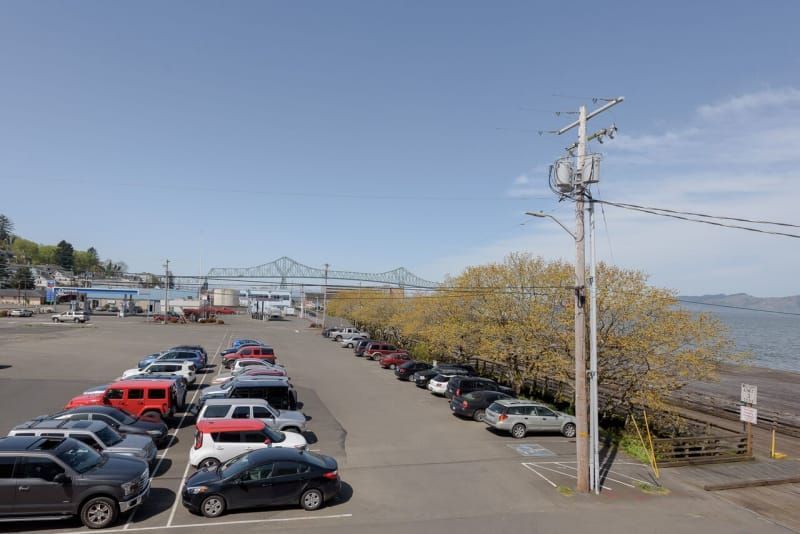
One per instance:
(137, 397)
(394, 360)
(260, 352)
(378, 349)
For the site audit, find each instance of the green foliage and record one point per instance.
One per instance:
(3, 271)
(65, 255)
(22, 279)
(6, 229)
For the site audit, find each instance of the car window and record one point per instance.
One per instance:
(87, 440)
(78, 417)
(288, 468)
(253, 437)
(517, 410)
(115, 394)
(6, 466)
(543, 412)
(257, 473)
(41, 468)
(247, 352)
(135, 393)
(260, 412)
(156, 394)
(227, 437)
(241, 412)
(213, 412)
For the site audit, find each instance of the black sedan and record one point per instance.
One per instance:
(265, 477)
(117, 419)
(406, 371)
(474, 404)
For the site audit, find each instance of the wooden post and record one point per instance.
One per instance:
(749, 439)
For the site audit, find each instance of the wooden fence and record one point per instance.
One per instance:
(674, 452)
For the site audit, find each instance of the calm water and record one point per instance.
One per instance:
(772, 339)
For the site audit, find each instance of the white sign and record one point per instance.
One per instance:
(749, 393)
(748, 414)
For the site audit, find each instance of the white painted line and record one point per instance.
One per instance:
(566, 474)
(174, 436)
(226, 523)
(528, 466)
(606, 477)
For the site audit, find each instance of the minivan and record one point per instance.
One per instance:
(461, 385)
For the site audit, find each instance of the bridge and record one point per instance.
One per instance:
(284, 268)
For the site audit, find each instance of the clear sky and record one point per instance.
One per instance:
(371, 135)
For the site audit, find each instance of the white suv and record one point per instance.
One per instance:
(438, 384)
(217, 441)
(182, 368)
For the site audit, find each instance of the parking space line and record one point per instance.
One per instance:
(606, 477)
(175, 435)
(568, 475)
(528, 466)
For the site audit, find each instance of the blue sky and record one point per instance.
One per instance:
(371, 135)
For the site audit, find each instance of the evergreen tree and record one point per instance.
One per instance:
(23, 279)
(6, 227)
(65, 255)
(3, 271)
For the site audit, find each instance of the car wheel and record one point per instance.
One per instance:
(213, 506)
(99, 512)
(569, 430)
(312, 500)
(55, 319)
(478, 415)
(518, 431)
(75, 320)
(291, 429)
(209, 463)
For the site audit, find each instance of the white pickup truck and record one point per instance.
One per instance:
(345, 333)
(70, 316)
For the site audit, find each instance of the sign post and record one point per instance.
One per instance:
(748, 413)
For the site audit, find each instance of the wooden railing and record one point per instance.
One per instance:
(674, 452)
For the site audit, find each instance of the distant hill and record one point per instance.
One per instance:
(780, 304)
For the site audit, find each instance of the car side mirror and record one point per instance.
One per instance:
(61, 478)
(267, 441)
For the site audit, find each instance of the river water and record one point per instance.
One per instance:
(773, 340)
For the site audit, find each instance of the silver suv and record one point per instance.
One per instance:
(522, 416)
(284, 420)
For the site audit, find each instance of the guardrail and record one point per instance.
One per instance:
(695, 450)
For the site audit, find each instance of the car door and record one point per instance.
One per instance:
(261, 412)
(241, 412)
(36, 491)
(251, 489)
(134, 401)
(547, 418)
(227, 445)
(8, 485)
(287, 482)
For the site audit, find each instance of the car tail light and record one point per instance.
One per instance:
(502, 417)
(198, 440)
(464, 404)
(331, 475)
(458, 392)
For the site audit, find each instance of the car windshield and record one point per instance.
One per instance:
(78, 456)
(227, 385)
(108, 436)
(122, 417)
(275, 436)
(234, 466)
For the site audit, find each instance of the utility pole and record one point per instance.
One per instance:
(594, 420)
(325, 298)
(166, 291)
(581, 416)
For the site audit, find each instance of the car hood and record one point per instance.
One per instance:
(85, 400)
(292, 440)
(294, 416)
(140, 426)
(213, 391)
(130, 372)
(132, 442)
(116, 469)
(204, 476)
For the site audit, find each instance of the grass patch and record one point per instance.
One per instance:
(565, 491)
(632, 446)
(650, 489)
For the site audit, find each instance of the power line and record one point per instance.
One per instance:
(695, 214)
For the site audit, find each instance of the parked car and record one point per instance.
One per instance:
(406, 370)
(250, 371)
(266, 477)
(360, 347)
(241, 342)
(20, 313)
(326, 332)
(70, 317)
(276, 390)
(195, 357)
(232, 350)
(137, 397)
(68, 478)
(258, 352)
(244, 364)
(177, 381)
(461, 385)
(391, 361)
(522, 416)
(421, 378)
(350, 342)
(171, 317)
(283, 420)
(474, 404)
(338, 334)
(217, 441)
(182, 368)
(95, 434)
(376, 350)
(119, 420)
(194, 348)
(438, 384)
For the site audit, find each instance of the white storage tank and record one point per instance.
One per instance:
(225, 297)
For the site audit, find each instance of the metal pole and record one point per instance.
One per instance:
(166, 291)
(581, 415)
(593, 406)
(325, 298)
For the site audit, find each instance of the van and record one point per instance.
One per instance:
(137, 397)
(277, 391)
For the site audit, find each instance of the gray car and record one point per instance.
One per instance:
(284, 420)
(96, 434)
(519, 417)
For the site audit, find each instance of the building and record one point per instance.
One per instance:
(22, 297)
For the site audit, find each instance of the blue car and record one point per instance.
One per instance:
(195, 357)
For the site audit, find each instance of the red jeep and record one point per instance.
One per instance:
(394, 360)
(255, 351)
(378, 349)
(137, 397)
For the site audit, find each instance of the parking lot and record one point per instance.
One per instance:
(406, 462)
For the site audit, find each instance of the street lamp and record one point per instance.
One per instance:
(594, 427)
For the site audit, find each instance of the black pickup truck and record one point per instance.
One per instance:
(53, 478)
